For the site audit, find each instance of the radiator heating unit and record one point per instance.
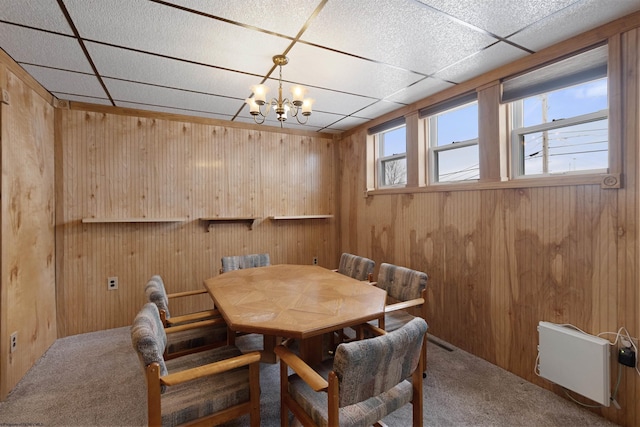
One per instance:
(575, 360)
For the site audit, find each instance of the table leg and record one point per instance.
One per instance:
(268, 355)
(311, 350)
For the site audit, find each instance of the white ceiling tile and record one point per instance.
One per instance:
(145, 68)
(312, 66)
(78, 98)
(66, 81)
(171, 110)
(500, 17)
(378, 109)
(176, 33)
(122, 91)
(279, 16)
(40, 48)
(44, 14)
(402, 33)
(347, 123)
(420, 90)
(574, 20)
(494, 56)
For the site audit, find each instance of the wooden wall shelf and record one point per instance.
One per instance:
(294, 217)
(130, 220)
(251, 220)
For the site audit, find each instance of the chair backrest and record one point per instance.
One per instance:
(157, 294)
(401, 283)
(369, 367)
(356, 267)
(149, 338)
(240, 262)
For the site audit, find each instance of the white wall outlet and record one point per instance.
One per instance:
(315, 260)
(14, 342)
(112, 283)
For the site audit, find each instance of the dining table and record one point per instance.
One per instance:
(302, 302)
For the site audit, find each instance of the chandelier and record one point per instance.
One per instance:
(299, 107)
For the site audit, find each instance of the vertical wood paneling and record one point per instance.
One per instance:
(27, 301)
(119, 166)
(501, 260)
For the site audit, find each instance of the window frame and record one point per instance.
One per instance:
(380, 160)
(517, 139)
(434, 150)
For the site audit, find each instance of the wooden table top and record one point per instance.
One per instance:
(293, 301)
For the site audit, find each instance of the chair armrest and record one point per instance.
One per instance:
(304, 371)
(195, 325)
(335, 270)
(186, 293)
(373, 329)
(404, 304)
(210, 369)
(192, 317)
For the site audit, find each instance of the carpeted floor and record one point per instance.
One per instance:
(96, 380)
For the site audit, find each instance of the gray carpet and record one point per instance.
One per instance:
(95, 380)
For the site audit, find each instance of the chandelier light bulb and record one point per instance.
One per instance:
(260, 93)
(298, 106)
(254, 108)
(306, 106)
(298, 93)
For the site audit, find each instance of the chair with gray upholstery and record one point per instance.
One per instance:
(190, 332)
(239, 262)
(210, 387)
(365, 381)
(356, 267)
(406, 291)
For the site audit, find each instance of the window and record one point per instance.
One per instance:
(392, 157)
(560, 117)
(453, 139)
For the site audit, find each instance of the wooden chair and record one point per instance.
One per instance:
(157, 294)
(406, 290)
(190, 332)
(205, 388)
(239, 262)
(356, 267)
(366, 381)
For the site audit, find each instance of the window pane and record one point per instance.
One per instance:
(458, 164)
(394, 172)
(460, 124)
(568, 102)
(393, 142)
(572, 148)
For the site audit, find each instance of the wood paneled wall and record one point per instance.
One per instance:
(500, 260)
(27, 266)
(119, 165)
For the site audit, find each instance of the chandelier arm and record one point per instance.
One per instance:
(255, 119)
(305, 120)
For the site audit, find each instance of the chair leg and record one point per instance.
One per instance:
(416, 400)
(154, 408)
(424, 357)
(254, 393)
(284, 390)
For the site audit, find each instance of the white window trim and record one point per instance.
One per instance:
(379, 145)
(434, 150)
(517, 138)
(381, 173)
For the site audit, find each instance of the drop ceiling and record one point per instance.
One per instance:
(359, 59)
